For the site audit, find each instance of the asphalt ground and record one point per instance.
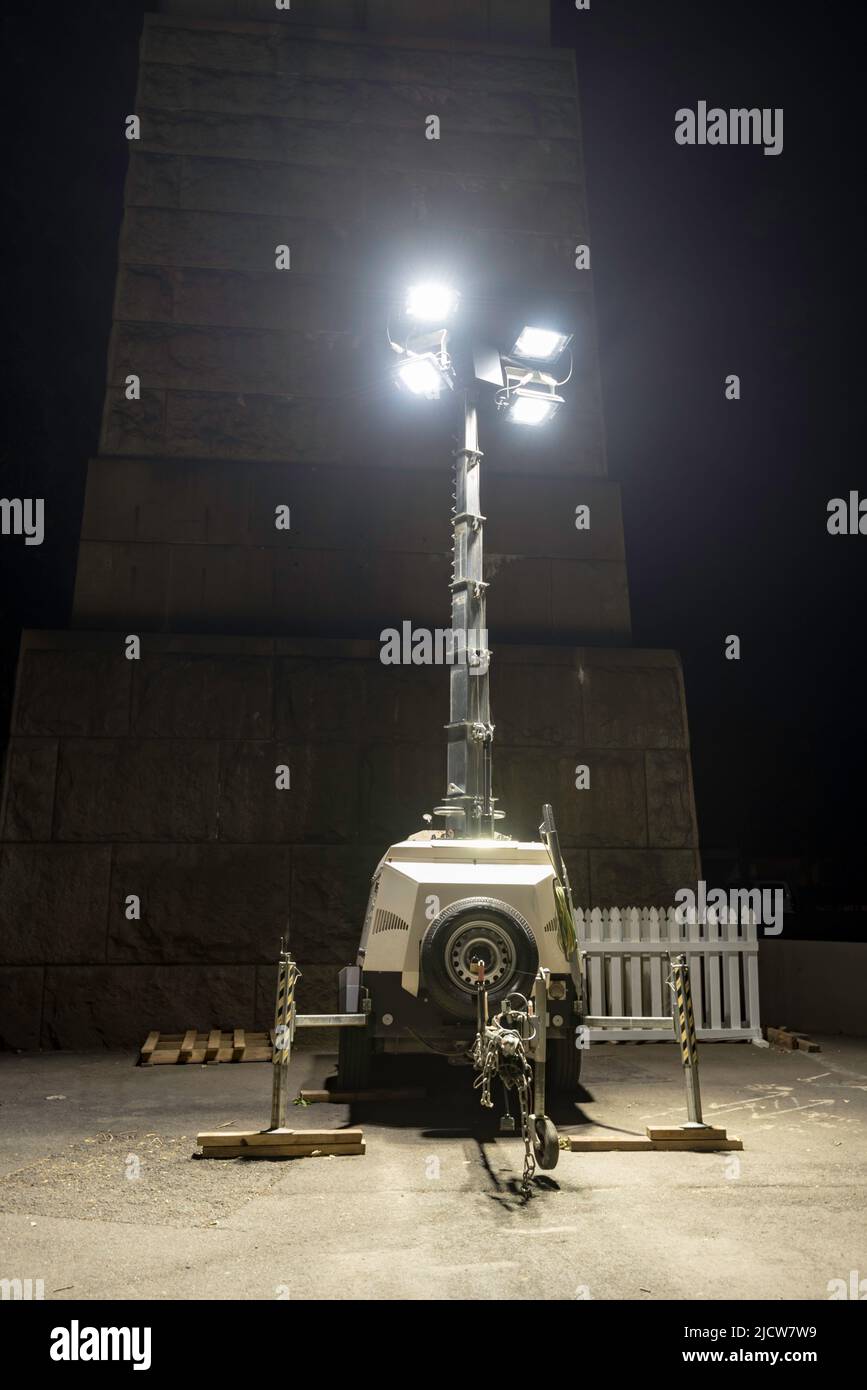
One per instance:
(100, 1196)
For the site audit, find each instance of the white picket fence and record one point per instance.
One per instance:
(627, 968)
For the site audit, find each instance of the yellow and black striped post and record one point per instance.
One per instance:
(685, 1024)
(284, 1027)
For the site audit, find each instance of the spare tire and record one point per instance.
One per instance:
(476, 929)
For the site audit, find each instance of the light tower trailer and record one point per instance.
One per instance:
(462, 911)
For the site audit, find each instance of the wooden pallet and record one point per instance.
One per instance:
(281, 1143)
(784, 1037)
(234, 1045)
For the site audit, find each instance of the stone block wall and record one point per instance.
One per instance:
(156, 778)
(260, 385)
(500, 21)
(195, 549)
(263, 388)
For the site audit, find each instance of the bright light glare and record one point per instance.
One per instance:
(431, 302)
(421, 376)
(540, 344)
(531, 410)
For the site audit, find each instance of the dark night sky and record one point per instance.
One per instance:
(706, 262)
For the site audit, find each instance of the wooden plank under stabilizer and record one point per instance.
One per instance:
(266, 1138)
(150, 1043)
(286, 1151)
(212, 1047)
(282, 1143)
(239, 1043)
(189, 1042)
(637, 1143)
(349, 1097)
(680, 1132)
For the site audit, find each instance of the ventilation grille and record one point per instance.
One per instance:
(552, 925)
(388, 921)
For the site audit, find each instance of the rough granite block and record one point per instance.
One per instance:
(53, 902)
(235, 185)
(137, 789)
(121, 586)
(590, 600)
(320, 804)
(524, 780)
(404, 703)
(212, 902)
(216, 46)
(330, 887)
(533, 705)
(21, 988)
(395, 777)
(232, 241)
(633, 704)
(71, 691)
(133, 426)
(448, 200)
(319, 701)
(28, 793)
(670, 806)
(153, 180)
(118, 1005)
(199, 696)
(220, 587)
(612, 811)
(640, 878)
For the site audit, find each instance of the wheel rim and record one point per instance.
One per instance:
(479, 940)
(546, 1143)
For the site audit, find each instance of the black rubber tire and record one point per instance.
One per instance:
(354, 1057)
(443, 990)
(562, 1066)
(546, 1143)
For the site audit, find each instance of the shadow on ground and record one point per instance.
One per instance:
(450, 1106)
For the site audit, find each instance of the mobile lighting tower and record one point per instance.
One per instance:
(462, 919)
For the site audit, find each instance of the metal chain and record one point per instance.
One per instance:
(500, 1052)
(529, 1156)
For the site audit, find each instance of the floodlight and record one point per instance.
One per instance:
(532, 407)
(424, 375)
(431, 302)
(541, 345)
